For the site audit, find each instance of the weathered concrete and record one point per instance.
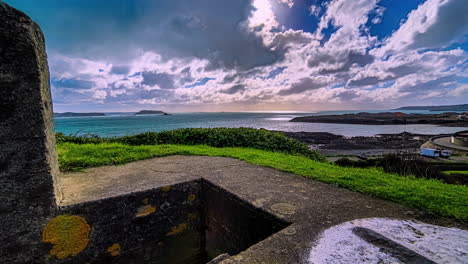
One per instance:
(309, 205)
(445, 142)
(397, 241)
(28, 163)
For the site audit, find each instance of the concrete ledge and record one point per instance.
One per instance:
(309, 205)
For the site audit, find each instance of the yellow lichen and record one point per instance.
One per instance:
(166, 188)
(145, 210)
(68, 233)
(192, 197)
(177, 229)
(114, 250)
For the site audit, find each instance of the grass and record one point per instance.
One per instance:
(427, 194)
(455, 172)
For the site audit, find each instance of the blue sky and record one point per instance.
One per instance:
(248, 55)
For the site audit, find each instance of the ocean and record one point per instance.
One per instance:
(121, 124)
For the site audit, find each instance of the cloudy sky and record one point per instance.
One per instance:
(253, 55)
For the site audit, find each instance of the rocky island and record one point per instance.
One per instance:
(151, 112)
(71, 114)
(389, 118)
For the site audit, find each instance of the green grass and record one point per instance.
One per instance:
(430, 195)
(218, 137)
(455, 172)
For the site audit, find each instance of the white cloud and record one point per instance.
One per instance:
(340, 68)
(459, 91)
(315, 10)
(289, 3)
(434, 24)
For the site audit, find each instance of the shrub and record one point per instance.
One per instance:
(215, 137)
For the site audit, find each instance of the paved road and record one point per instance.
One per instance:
(445, 142)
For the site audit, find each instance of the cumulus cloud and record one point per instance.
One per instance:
(315, 10)
(434, 24)
(234, 89)
(195, 53)
(162, 80)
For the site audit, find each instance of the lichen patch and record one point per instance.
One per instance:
(284, 208)
(114, 250)
(177, 229)
(145, 210)
(69, 235)
(191, 197)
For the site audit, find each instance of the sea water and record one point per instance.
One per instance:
(120, 124)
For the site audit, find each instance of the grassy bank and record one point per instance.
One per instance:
(214, 137)
(431, 195)
(455, 172)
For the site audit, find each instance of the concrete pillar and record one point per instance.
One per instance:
(28, 160)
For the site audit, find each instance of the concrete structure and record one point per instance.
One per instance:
(28, 162)
(167, 210)
(455, 143)
(460, 138)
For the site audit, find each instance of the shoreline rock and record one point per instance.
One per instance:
(388, 118)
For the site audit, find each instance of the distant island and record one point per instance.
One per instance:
(71, 114)
(389, 118)
(462, 108)
(151, 112)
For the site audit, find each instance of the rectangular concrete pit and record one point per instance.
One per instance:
(231, 224)
(190, 223)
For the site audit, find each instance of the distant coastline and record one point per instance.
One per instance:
(462, 108)
(389, 118)
(72, 114)
(93, 114)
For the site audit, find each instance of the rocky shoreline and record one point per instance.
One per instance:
(329, 141)
(390, 118)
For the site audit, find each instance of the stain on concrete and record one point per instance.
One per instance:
(284, 208)
(69, 235)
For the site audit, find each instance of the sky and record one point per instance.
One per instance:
(253, 55)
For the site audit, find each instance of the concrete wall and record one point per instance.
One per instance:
(28, 162)
(156, 226)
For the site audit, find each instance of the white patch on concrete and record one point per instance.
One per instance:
(340, 245)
